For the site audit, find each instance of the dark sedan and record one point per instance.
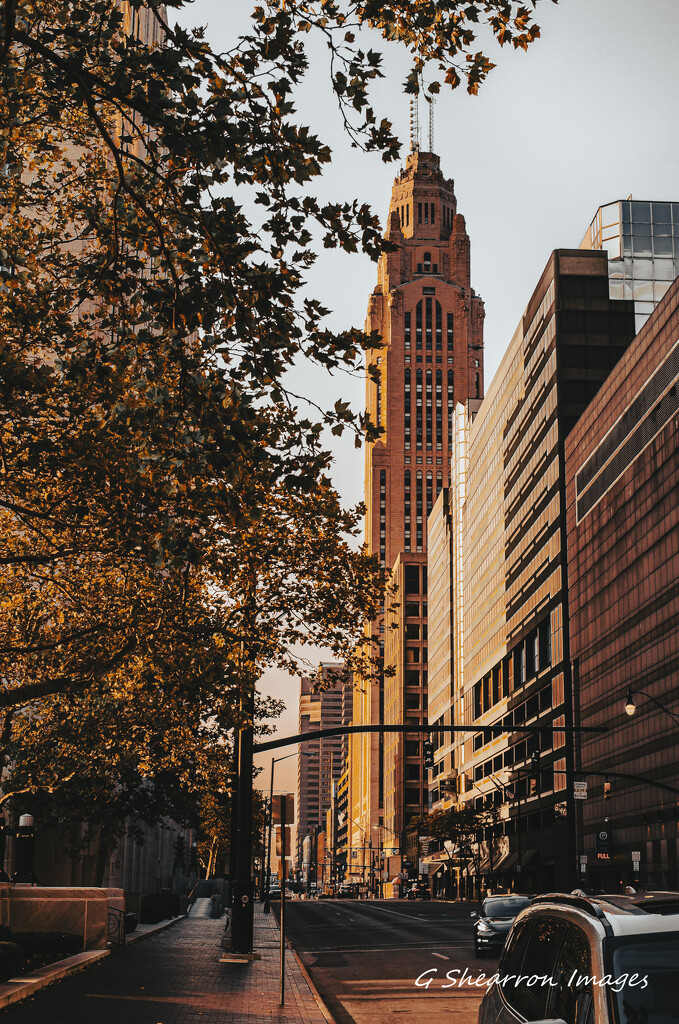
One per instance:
(494, 921)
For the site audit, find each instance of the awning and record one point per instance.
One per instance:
(527, 856)
(436, 869)
(508, 862)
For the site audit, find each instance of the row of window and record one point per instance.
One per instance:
(419, 507)
(426, 214)
(428, 319)
(433, 399)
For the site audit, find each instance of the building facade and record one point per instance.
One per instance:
(509, 589)
(622, 465)
(431, 324)
(322, 705)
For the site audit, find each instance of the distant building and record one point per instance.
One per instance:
(622, 466)
(320, 762)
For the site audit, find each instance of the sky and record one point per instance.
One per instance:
(588, 115)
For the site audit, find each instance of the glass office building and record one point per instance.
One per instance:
(642, 241)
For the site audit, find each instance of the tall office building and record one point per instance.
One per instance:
(510, 607)
(431, 323)
(320, 762)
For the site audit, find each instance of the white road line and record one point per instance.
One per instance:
(440, 956)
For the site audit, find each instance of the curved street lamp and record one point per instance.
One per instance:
(630, 706)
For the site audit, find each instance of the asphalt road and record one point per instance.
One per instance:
(365, 957)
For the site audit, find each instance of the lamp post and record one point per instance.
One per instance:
(274, 760)
(630, 706)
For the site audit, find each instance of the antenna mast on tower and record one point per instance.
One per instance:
(431, 100)
(414, 123)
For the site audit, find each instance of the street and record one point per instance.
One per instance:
(365, 956)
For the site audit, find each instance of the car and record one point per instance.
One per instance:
(581, 959)
(493, 921)
(419, 891)
(275, 891)
(348, 891)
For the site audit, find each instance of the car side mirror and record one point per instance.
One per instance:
(473, 914)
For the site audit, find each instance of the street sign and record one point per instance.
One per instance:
(603, 844)
(580, 789)
(636, 854)
(635, 866)
(583, 858)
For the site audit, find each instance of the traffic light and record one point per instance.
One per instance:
(607, 790)
(428, 754)
(535, 760)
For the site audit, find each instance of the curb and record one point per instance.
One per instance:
(314, 991)
(20, 988)
(152, 929)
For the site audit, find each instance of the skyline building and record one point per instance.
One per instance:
(320, 763)
(431, 323)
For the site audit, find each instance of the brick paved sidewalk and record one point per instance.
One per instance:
(174, 977)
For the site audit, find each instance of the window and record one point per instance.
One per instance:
(426, 261)
(540, 958)
(568, 1000)
(426, 213)
(418, 326)
(449, 331)
(419, 213)
(406, 413)
(545, 643)
(430, 492)
(418, 409)
(429, 412)
(428, 322)
(406, 332)
(412, 579)
(439, 327)
(412, 748)
(412, 609)
(406, 509)
(451, 407)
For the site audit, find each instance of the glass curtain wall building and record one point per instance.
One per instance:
(642, 241)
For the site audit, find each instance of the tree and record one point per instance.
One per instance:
(166, 516)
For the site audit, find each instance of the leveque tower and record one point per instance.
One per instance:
(431, 323)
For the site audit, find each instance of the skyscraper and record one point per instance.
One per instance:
(321, 761)
(431, 324)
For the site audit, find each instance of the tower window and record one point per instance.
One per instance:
(449, 326)
(406, 508)
(439, 483)
(407, 214)
(426, 213)
(439, 411)
(418, 410)
(406, 332)
(477, 385)
(418, 326)
(419, 213)
(407, 410)
(427, 262)
(432, 213)
(451, 407)
(429, 412)
(428, 322)
(439, 327)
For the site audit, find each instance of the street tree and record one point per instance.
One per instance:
(165, 508)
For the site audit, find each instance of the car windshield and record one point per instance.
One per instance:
(503, 908)
(643, 971)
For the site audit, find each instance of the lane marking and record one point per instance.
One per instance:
(441, 956)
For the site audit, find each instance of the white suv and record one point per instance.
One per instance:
(589, 960)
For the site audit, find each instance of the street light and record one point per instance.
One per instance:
(274, 760)
(630, 706)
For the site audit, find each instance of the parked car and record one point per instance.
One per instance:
(275, 891)
(492, 923)
(419, 891)
(605, 959)
(348, 891)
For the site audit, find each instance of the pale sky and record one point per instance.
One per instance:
(587, 115)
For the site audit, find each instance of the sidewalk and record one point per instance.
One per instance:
(174, 977)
